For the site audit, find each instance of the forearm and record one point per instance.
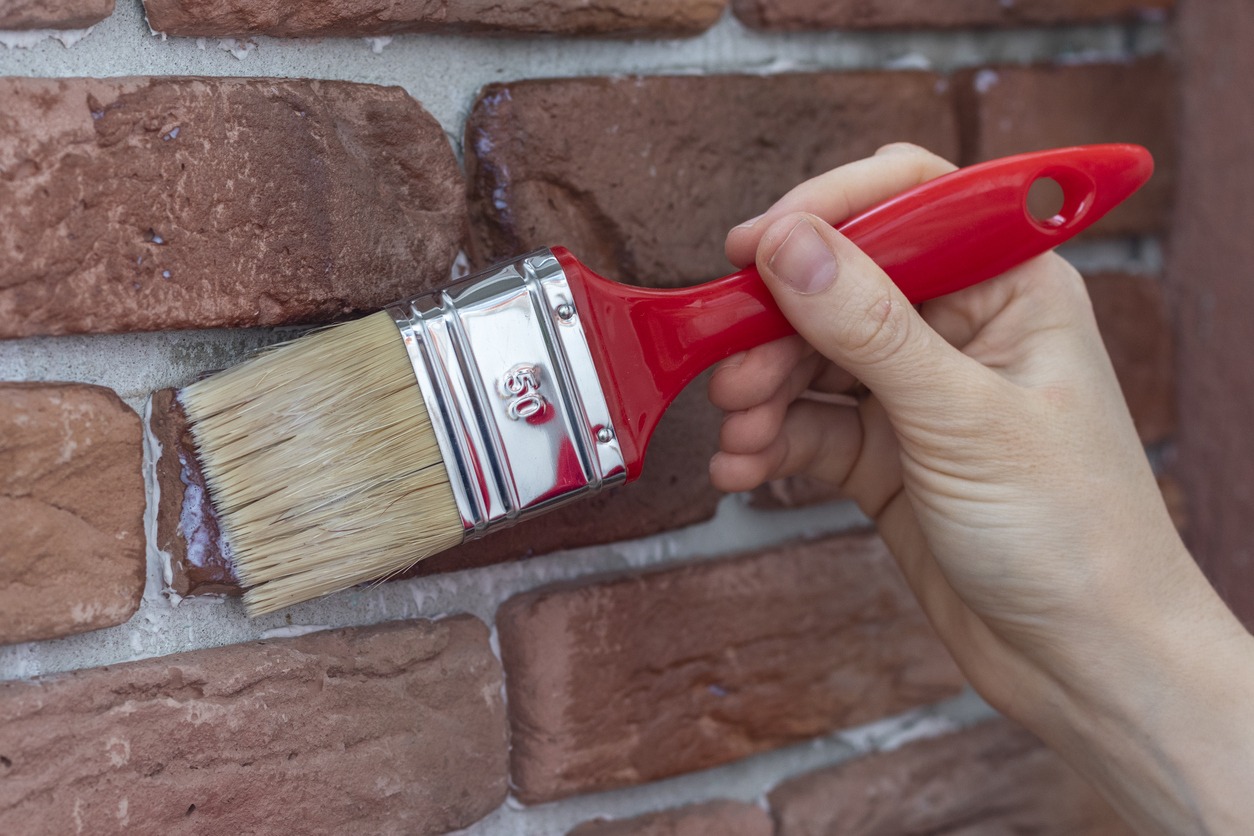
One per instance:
(1162, 718)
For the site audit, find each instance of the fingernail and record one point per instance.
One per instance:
(732, 362)
(804, 262)
(751, 221)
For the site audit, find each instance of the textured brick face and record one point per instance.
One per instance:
(907, 14)
(642, 177)
(992, 779)
(200, 18)
(148, 204)
(397, 728)
(625, 681)
(1008, 110)
(53, 14)
(71, 510)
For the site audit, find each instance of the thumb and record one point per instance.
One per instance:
(845, 306)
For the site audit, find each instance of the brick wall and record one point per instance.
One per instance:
(179, 190)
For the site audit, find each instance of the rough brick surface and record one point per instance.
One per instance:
(71, 510)
(216, 18)
(53, 14)
(397, 728)
(1209, 265)
(673, 492)
(993, 779)
(1008, 110)
(154, 203)
(187, 533)
(909, 14)
(716, 818)
(628, 680)
(642, 177)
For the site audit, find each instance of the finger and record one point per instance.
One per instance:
(842, 193)
(844, 305)
(815, 438)
(751, 377)
(753, 429)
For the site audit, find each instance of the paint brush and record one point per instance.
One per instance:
(352, 453)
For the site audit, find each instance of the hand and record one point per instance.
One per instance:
(995, 453)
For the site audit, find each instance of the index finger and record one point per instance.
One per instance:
(843, 192)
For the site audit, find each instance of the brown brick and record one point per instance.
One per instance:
(1132, 314)
(71, 510)
(397, 728)
(621, 18)
(643, 177)
(912, 14)
(187, 532)
(53, 14)
(995, 778)
(673, 492)
(636, 678)
(715, 818)
(1009, 110)
(154, 203)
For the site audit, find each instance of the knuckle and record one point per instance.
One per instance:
(878, 330)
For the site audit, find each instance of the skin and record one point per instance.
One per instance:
(989, 442)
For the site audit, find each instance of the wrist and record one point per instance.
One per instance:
(1158, 709)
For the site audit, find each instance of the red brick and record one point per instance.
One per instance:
(912, 14)
(1132, 314)
(995, 778)
(53, 14)
(397, 728)
(1008, 110)
(187, 532)
(157, 203)
(71, 510)
(1208, 274)
(312, 18)
(642, 177)
(715, 818)
(632, 679)
(673, 492)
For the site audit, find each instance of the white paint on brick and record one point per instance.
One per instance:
(30, 38)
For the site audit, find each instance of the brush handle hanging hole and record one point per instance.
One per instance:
(1045, 201)
(1057, 198)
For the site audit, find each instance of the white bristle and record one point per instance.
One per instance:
(322, 464)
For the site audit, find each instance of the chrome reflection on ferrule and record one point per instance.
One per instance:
(515, 400)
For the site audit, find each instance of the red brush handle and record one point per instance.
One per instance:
(942, 236)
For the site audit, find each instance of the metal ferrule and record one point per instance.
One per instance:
(514, 397)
